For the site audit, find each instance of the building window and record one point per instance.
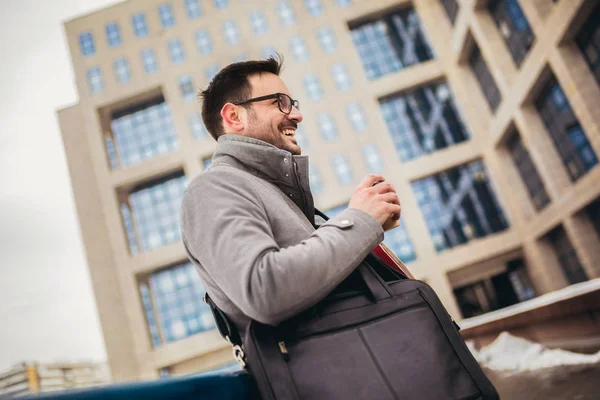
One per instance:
(505, 289)
(86, 43)
(240, 58)
(176, 51)
(485, 79)
(342, 169)
(300, 137)
(186, 86)
(149, 61)
(221, 4)
(372, 159)
(313, 87)
(173, 305)
(314, 178)
(356, 116)
(211, 71)
(143, 132)
(113, 34)
(341, 77)
(231, 33)
(193, 9)
(593, 212)
(529, 175)
(314, 7)
(451, 7)
(259, 22)
(203, 41)
(165, 13)
(327, 39)
(197, 127)
(423, 120)
(343, 3)
(336, 210)
(286, 13)
(122, 71)
(392, 43)
(588, 41)
(95, 81)
(299, 49)
(569, 138)
(268, 51)
(207, 163)
(567, 256)
(513, 26)
(327, 127)
(140, 27)
(154, 207)
(399, 242)
(459, 205)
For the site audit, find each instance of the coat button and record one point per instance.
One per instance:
(344, 222)
(285, 160)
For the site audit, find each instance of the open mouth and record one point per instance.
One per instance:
(289, 132)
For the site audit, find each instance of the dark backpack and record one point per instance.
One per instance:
(377, 336)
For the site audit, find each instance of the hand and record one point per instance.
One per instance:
(377, 198)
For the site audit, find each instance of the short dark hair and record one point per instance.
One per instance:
(231, 85)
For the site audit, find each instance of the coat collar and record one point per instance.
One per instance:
(288, 172)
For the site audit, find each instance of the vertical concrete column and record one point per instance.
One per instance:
(543, 267)
(586, 242)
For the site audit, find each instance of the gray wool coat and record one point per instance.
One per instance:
(246, 225)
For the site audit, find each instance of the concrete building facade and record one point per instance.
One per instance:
(483, 114)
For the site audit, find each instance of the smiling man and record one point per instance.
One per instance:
(248, 222)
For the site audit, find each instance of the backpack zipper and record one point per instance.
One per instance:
(284, 351)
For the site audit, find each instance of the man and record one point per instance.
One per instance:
(247, 223)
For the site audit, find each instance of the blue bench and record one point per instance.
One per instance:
(214, 385)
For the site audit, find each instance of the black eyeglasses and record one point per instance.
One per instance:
(284, 102)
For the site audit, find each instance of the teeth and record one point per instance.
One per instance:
(289, 132)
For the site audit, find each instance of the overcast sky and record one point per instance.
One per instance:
(47, 309)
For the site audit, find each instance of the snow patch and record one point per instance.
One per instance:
(510, 353)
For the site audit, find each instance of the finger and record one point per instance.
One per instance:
(395, 210)
(390, 197)
(370, 180)
(383, 187)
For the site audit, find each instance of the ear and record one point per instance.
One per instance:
(234, 117)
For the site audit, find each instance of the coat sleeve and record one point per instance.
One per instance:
(226, 228)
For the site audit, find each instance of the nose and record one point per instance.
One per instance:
(295, 115)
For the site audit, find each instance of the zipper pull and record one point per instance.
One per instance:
(284, 351)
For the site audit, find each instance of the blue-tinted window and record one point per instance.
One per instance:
(231, 33)
(178, 306)
(327, 39)
(286, 13)
(95, 81)
(392, 43)
(186, 86)
(513, 26)
(301, 137)
(240, 58)
(313, 87)
(327, 126)
(372, 158)
(193, 9)
(451, 7)
(423, 120)
(203, 41)
(122, 71)
(259, 22)
(315, 180)
(155, 210)
(341, 77)
(356, 116)
(113, 34)
(165, 13)
(399, 242)
(149, 61)
(211, 71)
(111, 152)
(221, 4)
(568, 136)
(332, 212)
(143, 132)
(299, 48)
(197, 127)
(314, 7)
(342, 169)
(140, 27)
(588, 40)
(176, 51)
(86, 43)
(207, 163)
(343, 3)
(459, 205)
